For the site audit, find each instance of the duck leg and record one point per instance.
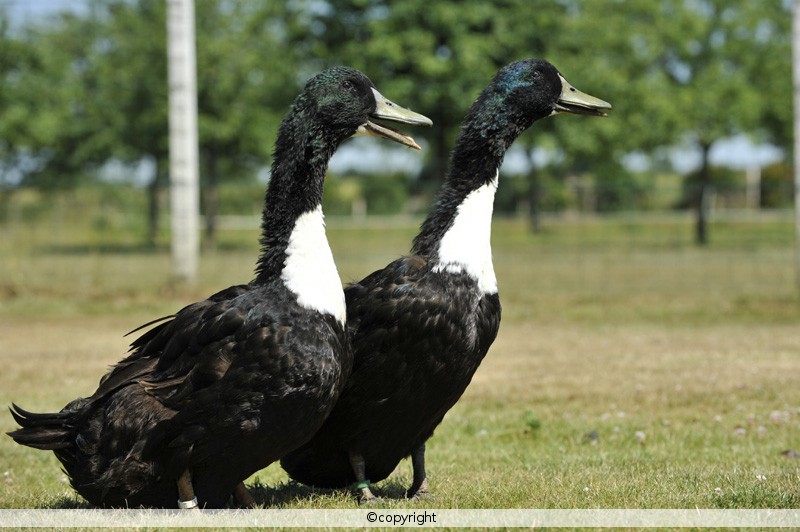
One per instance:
(186, 498)
(365, 496)
(419, 486)
(243, 497)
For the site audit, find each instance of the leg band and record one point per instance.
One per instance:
(187, 505)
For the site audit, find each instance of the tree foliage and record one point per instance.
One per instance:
(433, 56)
(50, 115)
(89, 86)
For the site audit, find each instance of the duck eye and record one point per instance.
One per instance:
(347, 84)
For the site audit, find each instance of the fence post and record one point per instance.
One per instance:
(183, 151)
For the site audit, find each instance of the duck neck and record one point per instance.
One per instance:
(456, 234)
(294, 246)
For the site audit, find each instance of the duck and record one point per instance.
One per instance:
(228, 385)
(421, 326)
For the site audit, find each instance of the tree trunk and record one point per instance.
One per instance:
(434, 171)
(211, 199)
(702, 201)
(534, 197)
(153, 206)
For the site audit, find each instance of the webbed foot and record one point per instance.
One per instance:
(419, 491)
(365, 495)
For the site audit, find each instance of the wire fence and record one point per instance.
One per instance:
(124, 212)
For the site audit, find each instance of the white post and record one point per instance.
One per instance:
(183, 152)
(753, 187)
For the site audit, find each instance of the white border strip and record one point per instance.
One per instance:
(398, 518)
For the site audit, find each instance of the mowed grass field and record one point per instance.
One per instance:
(632, 369)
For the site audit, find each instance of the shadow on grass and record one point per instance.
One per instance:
(286, 495)
(68, 503)
(292, 493)
(392, 490)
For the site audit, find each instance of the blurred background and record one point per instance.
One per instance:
(651, 320)
(695, 155)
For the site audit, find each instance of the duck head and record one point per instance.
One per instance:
(345, 101)
(533, 88)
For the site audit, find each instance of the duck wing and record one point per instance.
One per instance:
(402, 322)
(184, 335)
(197, 379)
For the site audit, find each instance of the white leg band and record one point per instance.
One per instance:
(187, 505)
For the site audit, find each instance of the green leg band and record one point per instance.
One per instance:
(361, 485)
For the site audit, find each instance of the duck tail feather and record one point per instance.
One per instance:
(41, 431)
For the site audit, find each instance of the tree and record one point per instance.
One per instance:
(708, 69)
(57, 131)
(432, 56)
(678, 71)
(91, 86)
(718, 61)
(246, 80)
(133, 73)
(437, 56)
(767, 59)
(13, 58)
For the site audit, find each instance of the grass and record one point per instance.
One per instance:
(632, 369)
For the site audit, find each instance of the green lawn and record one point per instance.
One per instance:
(632, 369)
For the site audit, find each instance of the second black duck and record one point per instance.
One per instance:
(421, 326)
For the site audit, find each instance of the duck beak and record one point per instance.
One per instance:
(385, 108)
(388, 110)
(576, 102)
